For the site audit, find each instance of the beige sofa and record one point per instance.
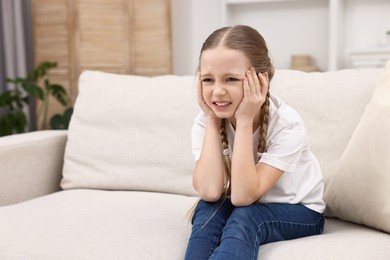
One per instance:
(117, 184)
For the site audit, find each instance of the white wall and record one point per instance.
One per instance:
(289, 27)
(366, 22)
(182, 36)
(192, 22)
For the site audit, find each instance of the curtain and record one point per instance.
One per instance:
(16, 45)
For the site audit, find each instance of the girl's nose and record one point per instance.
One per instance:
(219, 89)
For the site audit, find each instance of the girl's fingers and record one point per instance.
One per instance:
(263, 84)
(249, 76)
(245, 86)
(256, 82)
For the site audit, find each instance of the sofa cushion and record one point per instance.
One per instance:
(131, 133)
(96, 224)
(340, 240)
(93, 224)
(330, 103)
(360, 190)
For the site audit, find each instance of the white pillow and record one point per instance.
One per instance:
(360, 190)
(330, 103)
(131, 133)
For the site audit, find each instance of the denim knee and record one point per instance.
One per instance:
(238, 239)
(206, 211)
(241, 226)
(208, 222)
(249, 227)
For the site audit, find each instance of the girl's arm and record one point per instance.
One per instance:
(208, 177)
(250, 181)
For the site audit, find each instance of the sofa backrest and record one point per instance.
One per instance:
(330, 103)
(133, 133)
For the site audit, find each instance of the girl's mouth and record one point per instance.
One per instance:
(220, 105)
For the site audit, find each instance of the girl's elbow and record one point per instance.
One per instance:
(238, 202)
(210, 196)
(242, 201)
(208, 193)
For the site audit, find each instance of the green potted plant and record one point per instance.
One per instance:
(13, 117)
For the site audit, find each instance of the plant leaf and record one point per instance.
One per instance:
(20, 122)
(67, 117)
(39, 93)
(6, 98)
(57, 122)
(13, 122)
(61, 121)
(59, 93)
(47, 85)
(29, 87)
(41, 70)
(15, 81)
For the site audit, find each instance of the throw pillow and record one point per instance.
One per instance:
(131, 133)
(360, 190)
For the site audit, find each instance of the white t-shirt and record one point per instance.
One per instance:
(287, 149)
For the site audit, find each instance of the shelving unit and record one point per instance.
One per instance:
(334, 24)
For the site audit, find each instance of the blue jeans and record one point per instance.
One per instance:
(223, 231)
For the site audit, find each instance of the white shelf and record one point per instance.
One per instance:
(375, 57)
(372, 50)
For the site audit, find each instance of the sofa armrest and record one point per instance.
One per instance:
(31, 165)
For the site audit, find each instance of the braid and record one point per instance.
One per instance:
(227, 161)
(264, 119)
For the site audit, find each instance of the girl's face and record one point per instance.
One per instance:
(222, 71)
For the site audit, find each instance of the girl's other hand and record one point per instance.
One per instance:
(209, 113)
(255, 88)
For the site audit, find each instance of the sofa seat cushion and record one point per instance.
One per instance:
(340, 240)
(97, 224)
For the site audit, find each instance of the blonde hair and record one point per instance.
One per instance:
(250, 42)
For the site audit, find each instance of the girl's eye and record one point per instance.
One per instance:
(232, 79)
(206, 80)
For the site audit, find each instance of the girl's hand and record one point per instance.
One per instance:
(255, 88)
(209, 113)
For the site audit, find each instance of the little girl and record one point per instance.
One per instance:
(255, 174)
